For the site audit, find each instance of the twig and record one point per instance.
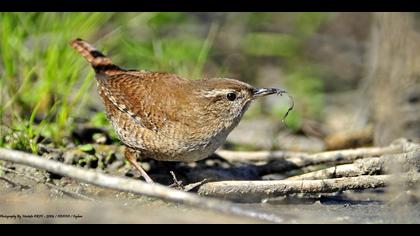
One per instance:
(9, 181)
(255, 191)
(177, 184)
(283, 161)
(65, 191)
(374, 165)
(133, 186)
(302, 159)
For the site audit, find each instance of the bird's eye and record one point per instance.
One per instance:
(231, 96)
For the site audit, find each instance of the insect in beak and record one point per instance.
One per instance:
(260, 92)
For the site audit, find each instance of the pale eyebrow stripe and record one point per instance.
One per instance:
(215, 92)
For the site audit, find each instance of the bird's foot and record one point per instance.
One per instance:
(179, 185)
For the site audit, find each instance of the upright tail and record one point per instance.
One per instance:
(100, 63)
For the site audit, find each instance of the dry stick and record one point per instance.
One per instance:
(398, 146)
(65, 191)
(302, 159)
(283, 160)
(374, 165)
(133, 186)
(9, 181)
(255, 191)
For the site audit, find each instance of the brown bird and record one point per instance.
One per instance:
(164, 116)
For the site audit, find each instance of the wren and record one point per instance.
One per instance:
(164, 116)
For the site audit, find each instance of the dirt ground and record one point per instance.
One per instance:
(30, 208)
(26, 201)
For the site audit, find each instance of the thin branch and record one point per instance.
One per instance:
(9, 181)
(255, 191)
(374, 165)
(303, 159)
(283, 161)
(133, 186)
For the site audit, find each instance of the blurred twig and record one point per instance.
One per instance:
(9, 181)
(284, 161)
(374, 165)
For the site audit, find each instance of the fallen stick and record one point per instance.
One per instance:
(133, 186)
(256, 191)
(284, 161)
(299, 158)
(10, 182)
(374, 165)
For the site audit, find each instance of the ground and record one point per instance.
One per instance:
(26, 201)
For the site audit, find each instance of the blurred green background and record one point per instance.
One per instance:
(47, 89)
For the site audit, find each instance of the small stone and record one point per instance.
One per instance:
(115, 165)
(100, 138)
(55, 156)
(71, 157)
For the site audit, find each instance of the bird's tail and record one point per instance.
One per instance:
(100, 63)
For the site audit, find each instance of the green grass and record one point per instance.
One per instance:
(40, 75)
(45, 85)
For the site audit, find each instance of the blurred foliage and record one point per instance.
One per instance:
(271, 44)
(302, 79)
(46, 87)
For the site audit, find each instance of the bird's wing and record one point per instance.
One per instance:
(144, 96)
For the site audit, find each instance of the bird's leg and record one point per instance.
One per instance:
(131, 156)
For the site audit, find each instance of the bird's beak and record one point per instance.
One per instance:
(260, 92)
